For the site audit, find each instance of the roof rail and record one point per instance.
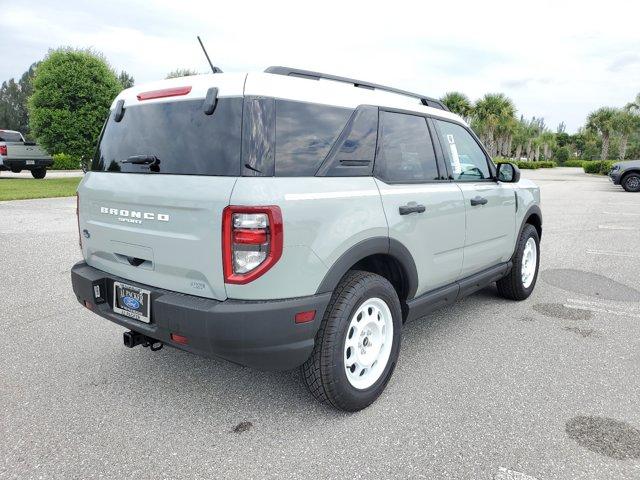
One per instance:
(296, 72)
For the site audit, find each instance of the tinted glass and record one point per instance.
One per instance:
(178, 134)
(360, 144)
(305, 133)
(405, 150)
(10, 137)
(468, 161)
(258, 137)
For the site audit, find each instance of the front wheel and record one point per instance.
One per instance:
(631, 182)
(39, 173)
(358, 343)
(521, 280)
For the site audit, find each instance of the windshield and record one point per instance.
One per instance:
(10, 136)
(173, 138)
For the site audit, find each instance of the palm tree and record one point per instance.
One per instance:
(548, 141)
(458, 103)
(634, 107)
(491, 116)
(625, 123)
(601, 121)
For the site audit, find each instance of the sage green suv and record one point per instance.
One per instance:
(295, 219)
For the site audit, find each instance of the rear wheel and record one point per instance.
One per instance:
(16, 170)
(521, 281)
(358, 343)
(39, 173)
(631, 182)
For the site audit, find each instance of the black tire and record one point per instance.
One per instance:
(16, 170)
(631, 182)
(511, 286)
(39, 173)
(325, 370)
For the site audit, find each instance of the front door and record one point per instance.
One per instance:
(490, 205)
(425, 211)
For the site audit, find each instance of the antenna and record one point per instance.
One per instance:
(213, 69)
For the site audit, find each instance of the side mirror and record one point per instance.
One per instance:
(508, 173)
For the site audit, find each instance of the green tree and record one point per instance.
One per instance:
(601, 121)
(624, 124)
(181, 72)
(126, 80)
(458, 103)
(72, 92)
(634, 107)
(13, 102)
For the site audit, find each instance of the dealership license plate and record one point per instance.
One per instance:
(132, 302)
(31, 162)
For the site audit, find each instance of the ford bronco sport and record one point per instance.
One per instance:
(291, 218)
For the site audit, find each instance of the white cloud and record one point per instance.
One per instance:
(555, 59)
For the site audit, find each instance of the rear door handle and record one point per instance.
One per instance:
(478, 201)
(411, 208)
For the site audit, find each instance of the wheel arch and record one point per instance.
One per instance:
(629, 172)
(382, 255)
(533, 217)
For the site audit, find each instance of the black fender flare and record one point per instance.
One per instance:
(533, 210)
(366, 248)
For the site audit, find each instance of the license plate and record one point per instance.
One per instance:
(31, 162)
(132, 302)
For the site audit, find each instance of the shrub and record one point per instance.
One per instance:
(574, 163)
(562, 154)
(62, 161)
(535, 165)
(598, 167)
(72, 92)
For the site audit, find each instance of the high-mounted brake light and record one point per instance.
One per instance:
(252, 240)
(3, 149)
(165, 92)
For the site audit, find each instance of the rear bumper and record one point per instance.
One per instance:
(21, 164)
(258, 334)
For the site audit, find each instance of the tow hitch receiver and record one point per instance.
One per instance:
(132, 339)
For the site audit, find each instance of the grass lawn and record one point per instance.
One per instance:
(23, 188)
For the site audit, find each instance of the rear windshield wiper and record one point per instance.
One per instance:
(142, 160)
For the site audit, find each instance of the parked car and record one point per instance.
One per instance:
(16, 154)
(295, 219)
(626, 174)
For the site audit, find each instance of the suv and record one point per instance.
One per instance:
(626, 174)
(291, 218)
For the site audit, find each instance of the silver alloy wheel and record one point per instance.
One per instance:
(633, 183)
(529, 262)
(368, 344)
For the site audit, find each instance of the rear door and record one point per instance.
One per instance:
(151, 208)
(489, 205)
(425, 211)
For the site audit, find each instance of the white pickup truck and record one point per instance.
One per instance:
(16, 154)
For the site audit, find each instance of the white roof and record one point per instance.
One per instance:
(328, 92)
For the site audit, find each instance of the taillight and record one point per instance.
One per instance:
(3, 149)
(78, 219)
(252, 239)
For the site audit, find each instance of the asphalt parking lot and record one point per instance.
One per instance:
(486, 389)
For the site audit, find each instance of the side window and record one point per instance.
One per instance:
(468, 161)
(305, 133)
(258, 137)
(405, 150)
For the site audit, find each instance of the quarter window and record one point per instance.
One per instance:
(305, 133)
(468, 161)
(405, 150)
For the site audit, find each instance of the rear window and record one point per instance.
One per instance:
(10, 136)
(305, 133)
(179, 134)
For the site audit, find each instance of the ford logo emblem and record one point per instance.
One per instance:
(131, 302)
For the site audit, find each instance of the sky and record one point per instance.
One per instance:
(555, 59)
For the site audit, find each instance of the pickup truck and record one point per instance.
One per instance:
(16, 154)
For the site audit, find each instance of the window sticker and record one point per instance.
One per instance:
(455, 158)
